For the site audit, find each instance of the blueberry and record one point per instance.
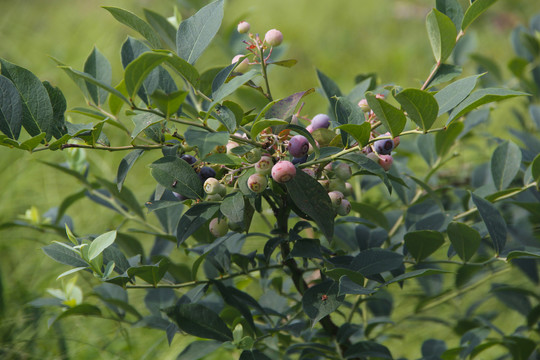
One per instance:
(384, 147)
(283, 171)
(300, 160)
(206, 172)
(298, 146)
(190, 159)
(320, 121)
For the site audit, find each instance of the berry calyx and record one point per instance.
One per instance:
(243, 27)
(264, 165)
(273, 37)
(257, 183)
(283, 171)
(218, 227)
(320, 121)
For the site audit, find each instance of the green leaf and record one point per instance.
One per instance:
(71, 271)
(144, 120)
(152, 274)
(289, 63)
(494, 221)
(233, 207)
(37, 112)
(138, 69)
(348, 286)
(452, 9)
(444, 73)
(194, 218)
(505, 163)
(481, 97)
(371, 213)
(168, 104)
(125, 165)
(442, 34)
(59, 105)
(101, 243)
(82, 309)
(453, 94)
(523, 254)
(177, 175)
(423, 243)
(205, 141)
(311, 198)
(99, 68)
(329, 87)
(364, 349)
(369, 165)
(163, 27)
(535, 170)
(444, 140)
(465, 240)
(225, 116)
(359, 132)
(476, 8)
(348, 113)
(33, 142)
(198, 320)
(64, 255)
(321, 300)
(375, 261)
(10, 109)
(75, 74)
(195, 33)
(221, 77)
(415, 274)
(198, 349)
(420, 106)
(223, 159)
(136, 23)
(284, 108)
(230, 87)
(263, 124)
(391, 117)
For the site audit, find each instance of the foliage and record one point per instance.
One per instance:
(351, 219)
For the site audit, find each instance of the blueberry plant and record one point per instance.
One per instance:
(346, 217)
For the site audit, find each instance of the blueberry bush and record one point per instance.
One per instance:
(279, 233)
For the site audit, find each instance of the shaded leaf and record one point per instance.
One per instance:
(125, 165)
(321, 300)
(193, 218)
(423, 243)
(505, 163)
(465, 240)
(420, 106)
(136, 23)
(494, 221)
(391, 117)
(10, 109)
(177, 175)
(98, 66)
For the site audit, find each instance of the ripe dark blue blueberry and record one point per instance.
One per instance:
(384, 147)
(301, 160)
(190, 159)
(298, 146)
(206, 172)
(320, 121)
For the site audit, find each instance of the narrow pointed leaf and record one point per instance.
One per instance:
(136, 23)
(125, 165)
(453, 94)
(284, 108)
(452, 9)
(195, 33)
(228, 88)
(494, 221)
(98, 67)
(101, 243)
(59, 106)
(415, 274)
(442, 34)
(375, 261)
(10, 109)
(505, 164)
(476, 8)
(162, 26)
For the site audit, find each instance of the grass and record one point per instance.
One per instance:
(343, 40)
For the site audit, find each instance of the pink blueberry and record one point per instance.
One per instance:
(283, 171)
(257, 183)
(243, 27)
(273, 37)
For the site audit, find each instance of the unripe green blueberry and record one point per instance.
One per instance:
(257, 183)
(273, 37)
(336, 197)
(283, 171)
(348, 189)
(344, 208)
(386, 161)
(243, 27)
(343, 171)
(211, 186)
(214, 197)
(218, 227)
(222, 189)
(264, 165)
(364, 106)
(337, 185)
(253, 156)
(243, 66)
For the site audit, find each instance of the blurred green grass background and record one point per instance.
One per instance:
(342, 38)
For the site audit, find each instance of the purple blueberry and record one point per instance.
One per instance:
(190, 159)
(384, 146)
(206, 172)
(300, 160)
(298, 146)
(320, 121)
